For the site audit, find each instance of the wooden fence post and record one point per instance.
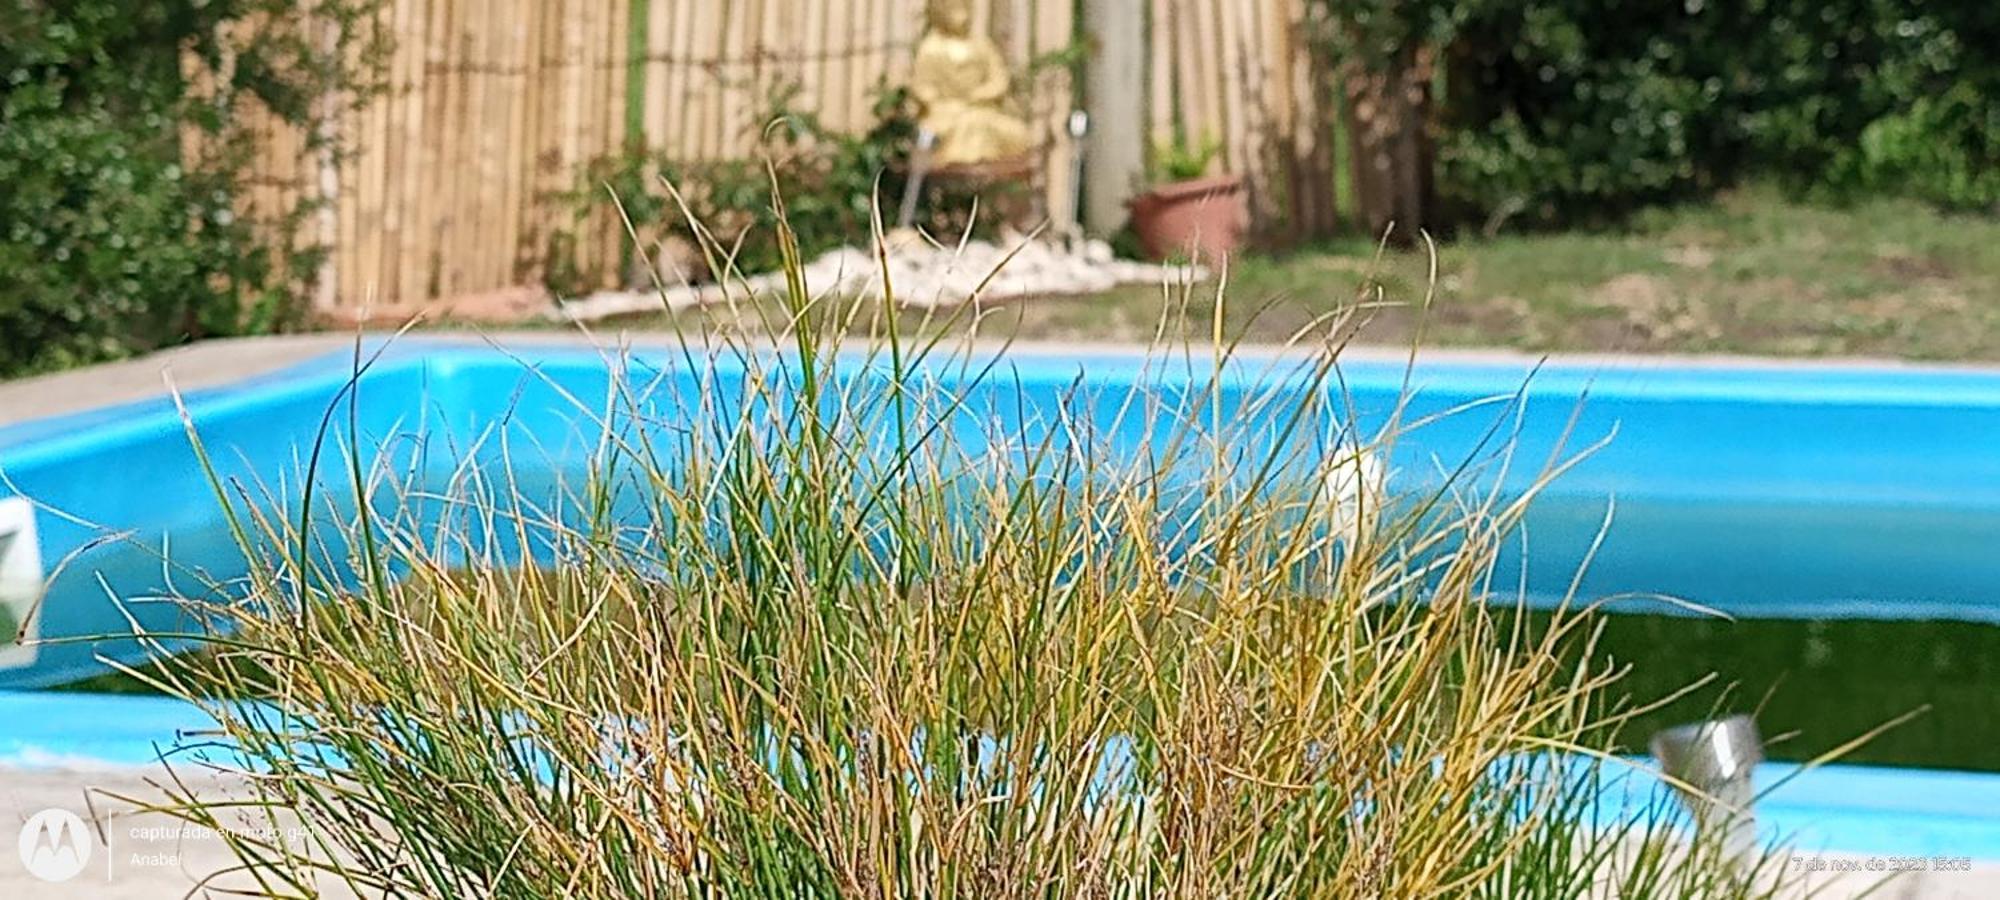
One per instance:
(1386, 112)
(1114, 153)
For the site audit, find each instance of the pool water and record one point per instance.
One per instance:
(1823, 558)
(1816, 684)
(1806, 645)
(1813, 683)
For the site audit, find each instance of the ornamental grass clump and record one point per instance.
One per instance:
(873, 619)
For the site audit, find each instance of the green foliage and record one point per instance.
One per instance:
(1938, 137)
(1182, 160)
(99, 259)
(1377, 33)
(1944, 149)
(112, 240)
(832, 179)
(1567, 110)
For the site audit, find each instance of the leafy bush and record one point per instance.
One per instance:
(1939, 138)
(834, 177)
(100, 259)
(834, 180)
(1943, 149)
(113, 242)
(1566, 110)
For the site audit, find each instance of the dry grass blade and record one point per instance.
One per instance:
(875, 622)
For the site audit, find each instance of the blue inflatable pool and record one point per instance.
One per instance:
(1820, 491)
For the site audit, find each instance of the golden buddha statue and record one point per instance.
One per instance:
(961, 82)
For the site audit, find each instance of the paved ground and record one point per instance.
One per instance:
(130, 855)
(196, 366)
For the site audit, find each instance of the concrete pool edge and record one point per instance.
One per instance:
(225, 361)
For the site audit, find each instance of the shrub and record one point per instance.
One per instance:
(1573, 110)
(1943, 149)
(112, 239)
(1938, 136)
(1178, 159)
(836, 179)
(111, 247)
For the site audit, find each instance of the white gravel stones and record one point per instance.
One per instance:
(920, 274)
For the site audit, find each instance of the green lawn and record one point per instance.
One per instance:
(1751, 272)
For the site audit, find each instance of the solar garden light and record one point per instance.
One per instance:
(1711, 763)
(1079, 126)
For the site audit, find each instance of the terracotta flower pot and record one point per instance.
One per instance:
(1203, 219)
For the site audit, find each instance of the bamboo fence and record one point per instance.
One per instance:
(455, 175)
